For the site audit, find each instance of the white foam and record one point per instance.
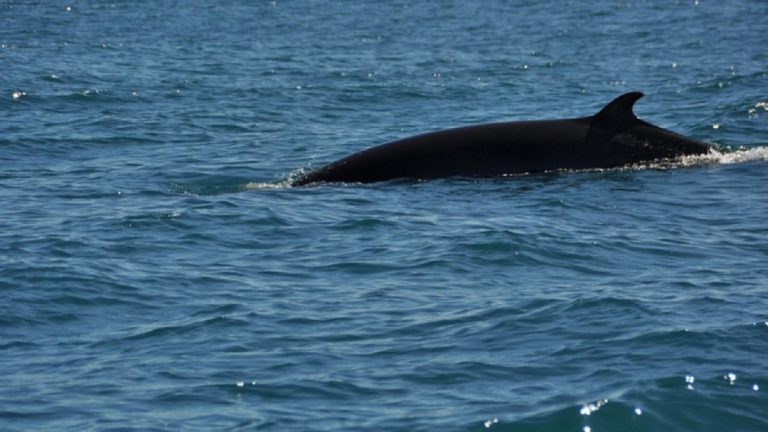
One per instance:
(689, 380)
(264, 185)
(283, 184)
(714, 157)
(727, 157)
(588, 409)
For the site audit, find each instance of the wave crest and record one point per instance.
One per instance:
(715, 156)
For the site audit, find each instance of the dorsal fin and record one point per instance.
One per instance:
(620, 109)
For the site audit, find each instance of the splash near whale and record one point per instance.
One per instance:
(614, 137)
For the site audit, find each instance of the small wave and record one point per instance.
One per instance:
(722, 156)
(266, 185)
(669, 403)
(727, 157)
(286, 182)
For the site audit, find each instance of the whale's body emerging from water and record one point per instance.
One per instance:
(613, 137)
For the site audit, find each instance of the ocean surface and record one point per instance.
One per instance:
(157, 273)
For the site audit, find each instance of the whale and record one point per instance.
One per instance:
(614, 137)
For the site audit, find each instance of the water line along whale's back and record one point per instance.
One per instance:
(613, 137)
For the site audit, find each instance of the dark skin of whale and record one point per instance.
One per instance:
(614, 137)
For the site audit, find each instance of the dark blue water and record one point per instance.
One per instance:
(156, 274)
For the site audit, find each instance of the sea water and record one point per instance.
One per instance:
(156, 273)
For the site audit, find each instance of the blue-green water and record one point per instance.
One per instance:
(156, 274)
